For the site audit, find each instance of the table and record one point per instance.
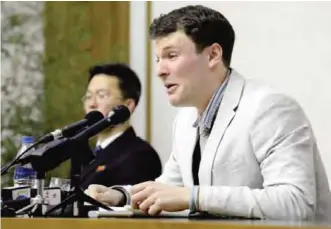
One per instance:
(134, 223)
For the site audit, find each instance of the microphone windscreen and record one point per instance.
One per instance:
(121, 114)
(93, 117)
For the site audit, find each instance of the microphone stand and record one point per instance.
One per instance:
(38, 203)
(77, 196)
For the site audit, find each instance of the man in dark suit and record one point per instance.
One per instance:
(121, 157)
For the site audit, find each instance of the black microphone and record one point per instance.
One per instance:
(118, 115)
(70, 130)
(51, 155)
(54, 153)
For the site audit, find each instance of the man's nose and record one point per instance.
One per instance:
(162, 70)
(93, 103)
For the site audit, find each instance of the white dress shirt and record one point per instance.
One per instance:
(105, 142)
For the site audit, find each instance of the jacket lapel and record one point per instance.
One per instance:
(187, 141)
(225, 114)
(191, 139)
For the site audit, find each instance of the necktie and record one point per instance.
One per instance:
(97, 150)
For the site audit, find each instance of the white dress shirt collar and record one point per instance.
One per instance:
(105, 142)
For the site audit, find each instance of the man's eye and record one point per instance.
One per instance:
(102, 95)
(172, 55)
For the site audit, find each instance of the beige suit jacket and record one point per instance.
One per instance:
(261, 159)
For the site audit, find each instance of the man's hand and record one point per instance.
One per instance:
(104, 195)
(152, 197)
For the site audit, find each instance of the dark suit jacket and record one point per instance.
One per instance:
(127, 160)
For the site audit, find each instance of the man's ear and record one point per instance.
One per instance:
(215, 53)
(130, 103)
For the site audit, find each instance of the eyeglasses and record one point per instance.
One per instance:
(101, 96)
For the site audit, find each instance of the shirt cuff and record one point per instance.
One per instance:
(194, 199)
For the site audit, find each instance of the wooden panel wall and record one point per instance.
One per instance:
(78, 35)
